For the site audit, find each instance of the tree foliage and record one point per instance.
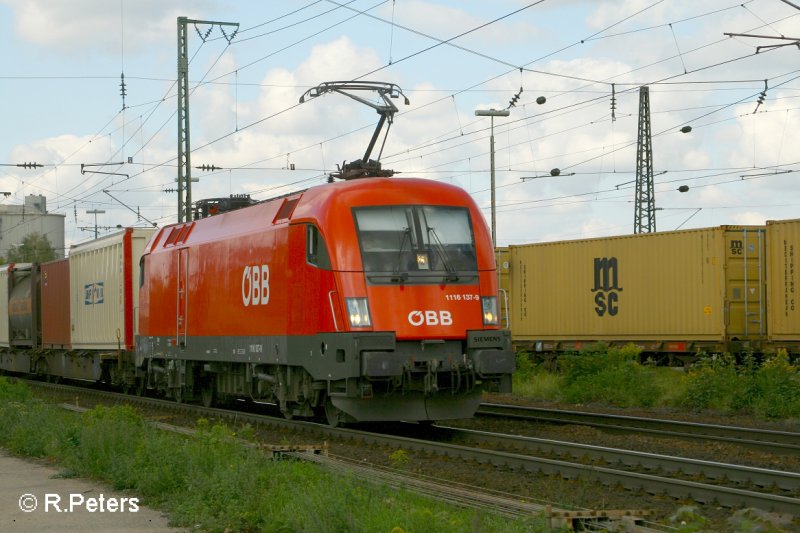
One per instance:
(35, 248)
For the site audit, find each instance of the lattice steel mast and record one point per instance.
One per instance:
(644, 215)
(184, 146)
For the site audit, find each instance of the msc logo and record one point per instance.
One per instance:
(93, 293)
(606, 286)
(737, 247)
(430, 318)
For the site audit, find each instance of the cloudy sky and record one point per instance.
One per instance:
(62, 107)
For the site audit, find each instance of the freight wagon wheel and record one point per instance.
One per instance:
(141, 386)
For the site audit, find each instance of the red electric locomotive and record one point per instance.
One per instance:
(366, 299)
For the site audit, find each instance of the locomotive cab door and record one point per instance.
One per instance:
(182, 296)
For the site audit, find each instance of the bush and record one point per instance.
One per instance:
(599, 374)
(525, 368)
(778, 384)
(13, 391)
(532, 381)
(714, 382)
(770, 390)
(612, 375)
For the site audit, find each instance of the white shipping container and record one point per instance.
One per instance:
(104, 289)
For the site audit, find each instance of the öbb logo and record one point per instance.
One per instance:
(606, 286)
(255, 285)
(430, 318)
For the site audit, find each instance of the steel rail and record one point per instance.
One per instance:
(744, 475)
(781, 442)
(654, 484)
(650, 483)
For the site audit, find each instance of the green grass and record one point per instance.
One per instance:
(211, 482)
(769, 388)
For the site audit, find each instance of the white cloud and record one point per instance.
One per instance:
(750, 218)
(97, 25)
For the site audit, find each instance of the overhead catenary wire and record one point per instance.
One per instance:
(283, 150)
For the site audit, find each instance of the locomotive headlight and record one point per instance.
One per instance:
(358, 312)
(490, 316)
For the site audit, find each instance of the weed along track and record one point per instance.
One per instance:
(533, 472)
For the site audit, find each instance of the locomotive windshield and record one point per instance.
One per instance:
(424, 244)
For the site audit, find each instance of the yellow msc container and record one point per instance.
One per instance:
(104, 290)
(670, 291)
(783, 246)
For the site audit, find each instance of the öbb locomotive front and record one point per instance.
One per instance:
(361, 300)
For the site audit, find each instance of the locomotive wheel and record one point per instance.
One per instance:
(208, 394)
(141, 387)
(332, 414)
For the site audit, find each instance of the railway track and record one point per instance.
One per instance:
(786, 483)
(771, 441)
(781, 496)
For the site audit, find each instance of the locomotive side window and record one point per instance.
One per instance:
(316, 251)
(142, 264)
(426, 244)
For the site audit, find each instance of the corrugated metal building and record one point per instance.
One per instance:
(19, 221)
